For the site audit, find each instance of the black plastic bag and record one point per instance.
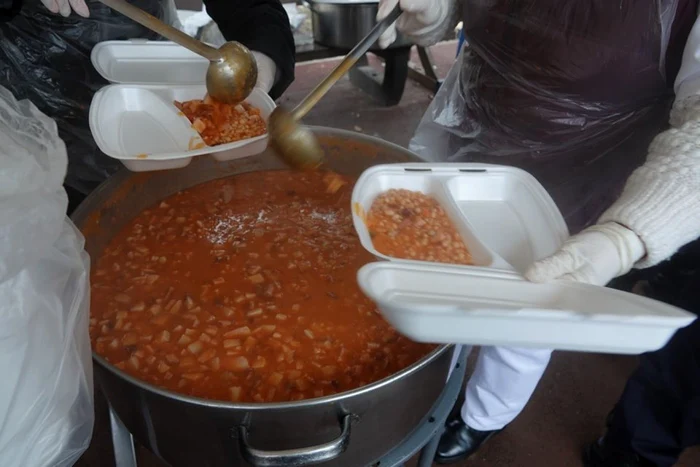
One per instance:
(46, 58)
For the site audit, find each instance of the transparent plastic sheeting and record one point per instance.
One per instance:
(46, 58)
(571, 92)
(46, 401)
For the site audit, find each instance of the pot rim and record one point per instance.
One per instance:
(255, 406)
(261, 406)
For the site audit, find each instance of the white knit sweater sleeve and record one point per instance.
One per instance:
(661, 200)
(449, 14)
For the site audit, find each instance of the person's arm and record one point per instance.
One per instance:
(424, 22)
(659, 209)
(262, 26)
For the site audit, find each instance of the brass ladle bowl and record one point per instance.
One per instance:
(295, 144)
(232, 71)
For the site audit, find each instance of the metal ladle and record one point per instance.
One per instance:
(294, 143)
(232, 71)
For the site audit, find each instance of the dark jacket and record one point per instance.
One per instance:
(260, 25)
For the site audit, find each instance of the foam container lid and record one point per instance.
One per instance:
(136, 121)
(139, 61)
(508, 221)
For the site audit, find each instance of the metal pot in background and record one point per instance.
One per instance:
(351, 429)
(341, 24)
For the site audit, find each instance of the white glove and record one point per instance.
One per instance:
(418, 15)
(267, 71)
(595, 256)
(64, 7)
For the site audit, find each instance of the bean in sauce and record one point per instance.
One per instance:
(244, 289)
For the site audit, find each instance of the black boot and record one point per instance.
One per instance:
(459, 441)
(599, 454)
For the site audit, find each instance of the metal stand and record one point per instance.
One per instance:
(426, 436)
(123, 442)
(428, 78)
(385, 87)
(423, 439)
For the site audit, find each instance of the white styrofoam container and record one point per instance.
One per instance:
(139, 61)
(482, 307)
(508, 221)
(505, 217)
(136, 121)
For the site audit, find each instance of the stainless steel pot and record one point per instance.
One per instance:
(341, 24)
(350, 429)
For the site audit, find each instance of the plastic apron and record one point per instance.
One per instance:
(46, 58)
(571, 91)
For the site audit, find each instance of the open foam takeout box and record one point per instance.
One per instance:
(134, 119)
(507, 221)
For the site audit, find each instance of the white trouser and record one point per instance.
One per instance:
(502, 383)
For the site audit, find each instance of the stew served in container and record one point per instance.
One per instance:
(408, 224)
(244, 289)
(219, 123)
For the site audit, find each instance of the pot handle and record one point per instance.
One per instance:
(300, 456)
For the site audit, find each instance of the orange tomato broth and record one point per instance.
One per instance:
(244, 289)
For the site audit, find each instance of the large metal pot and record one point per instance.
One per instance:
(341, 24)
(350, 429)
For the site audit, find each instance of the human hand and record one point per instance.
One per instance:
(595, 256)
(267, 71)
(417, 15)
(659, 205)
(64, 7)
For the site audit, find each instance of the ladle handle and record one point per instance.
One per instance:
(343, 67)
(154, 24)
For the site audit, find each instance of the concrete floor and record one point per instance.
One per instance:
(577, 391)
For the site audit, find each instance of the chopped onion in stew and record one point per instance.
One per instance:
(243, 289)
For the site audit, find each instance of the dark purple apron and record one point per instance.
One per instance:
(572, 91)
